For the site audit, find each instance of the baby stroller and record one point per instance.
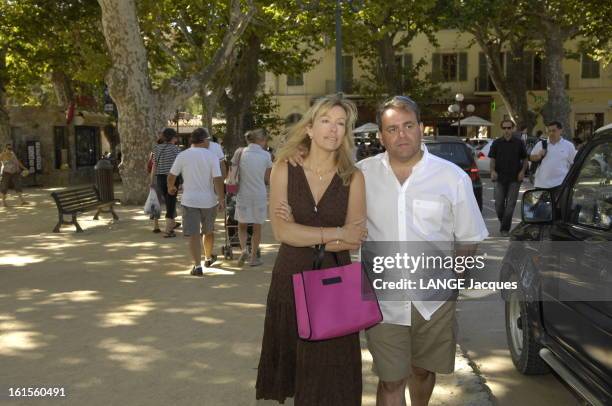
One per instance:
(231, 229)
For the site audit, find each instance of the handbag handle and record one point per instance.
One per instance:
(319, 251)
(240, 151)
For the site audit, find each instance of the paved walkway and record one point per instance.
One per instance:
(113, 316)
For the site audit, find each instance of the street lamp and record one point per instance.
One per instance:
(458, 109)
(339, 62)
(355, 5)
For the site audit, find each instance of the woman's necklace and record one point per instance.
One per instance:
(320, 175)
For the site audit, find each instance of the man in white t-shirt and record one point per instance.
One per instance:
(203, 195)
(556, 156)
(217, 150)
(414, 196)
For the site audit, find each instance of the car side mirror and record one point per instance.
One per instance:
(537, 206)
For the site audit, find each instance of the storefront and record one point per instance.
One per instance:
(56, 153)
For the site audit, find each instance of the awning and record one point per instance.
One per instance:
(474, 121)
(366, 128)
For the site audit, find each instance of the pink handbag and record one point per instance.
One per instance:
(333, 302)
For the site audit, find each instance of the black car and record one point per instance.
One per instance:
(560, 317)
(456, 151)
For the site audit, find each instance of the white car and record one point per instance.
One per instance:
(482, 158)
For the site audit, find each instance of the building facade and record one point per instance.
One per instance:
(460, 67)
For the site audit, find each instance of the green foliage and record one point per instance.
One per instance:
(42, 37)
(290, 36)
(423, 91)
(378, 33)
(375, 20)
(181, 36)
(264, 110)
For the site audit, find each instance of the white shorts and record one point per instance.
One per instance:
(250, 212)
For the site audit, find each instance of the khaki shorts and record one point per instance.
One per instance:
(425, 344)
(198, 221)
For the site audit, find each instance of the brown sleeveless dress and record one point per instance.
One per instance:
(317, 373)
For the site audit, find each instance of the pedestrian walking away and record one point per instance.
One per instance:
(555, 156)
(10, 174)
(203, 195)
(164, 155)
(153, 185)
(251, 202)
(322, 202)
(508, 166)
(414, 196)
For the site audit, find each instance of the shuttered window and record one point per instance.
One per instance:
(451, 67)
(295, 80)
(590, 67)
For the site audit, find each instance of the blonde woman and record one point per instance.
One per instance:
(10, 174)
(322, 202)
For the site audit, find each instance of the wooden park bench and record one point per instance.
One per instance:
(74, 201)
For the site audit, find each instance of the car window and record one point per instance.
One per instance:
(591, 197)
(452, 151)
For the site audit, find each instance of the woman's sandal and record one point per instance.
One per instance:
(156, 230)
(170, 234)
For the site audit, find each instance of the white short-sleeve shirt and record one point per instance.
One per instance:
(435, 203)
(216, 149)
(555, 164)
(199, 167)
(254, 162)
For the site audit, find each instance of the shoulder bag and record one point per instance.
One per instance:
(333, 302)
(232, 183)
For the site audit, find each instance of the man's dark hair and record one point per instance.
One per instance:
(168, 134)
(556, 124)
(199, 135)
(523, 128)
(397, 102)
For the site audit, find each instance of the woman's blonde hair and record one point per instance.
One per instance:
(297, 138)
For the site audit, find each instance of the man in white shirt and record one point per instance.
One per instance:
(414, 196)
(203, 194)
(217, 150)
(555, 156)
